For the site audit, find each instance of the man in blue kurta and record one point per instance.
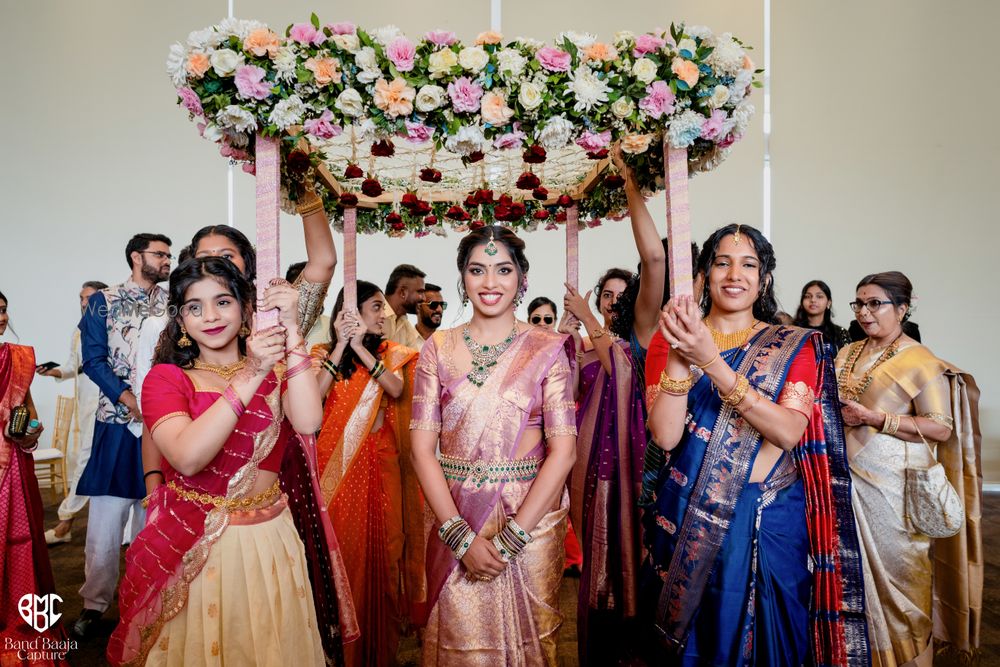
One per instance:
(109, 331)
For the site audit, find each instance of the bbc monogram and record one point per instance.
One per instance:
(39, 612)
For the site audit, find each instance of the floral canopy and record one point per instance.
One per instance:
(414, 134)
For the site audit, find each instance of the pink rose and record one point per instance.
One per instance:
(594, 141)
(418, 133)
(306, 34)
(647, 44)
(342, 28)
(711, 129)
(441, 37)
(251, 84)
(659, 99)
(465, 94)
(250, 168)
(190, 100)
(513, 139)
(401, 52)
(553, 59)
(321, 127)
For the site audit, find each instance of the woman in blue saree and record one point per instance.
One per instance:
(752, 555)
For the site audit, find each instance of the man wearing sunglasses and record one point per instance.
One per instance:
(430, 311)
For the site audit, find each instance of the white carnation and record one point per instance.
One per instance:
(622, 107)
(719, 96)
(644, 70)
(350, 43)
(531, 95)
(226, 61)
(386, 34)
(685, 128)
(580, 40)
(530, 43)
(285, 62)
(237, 118)
(349, 103)
(429, 97)
(623, 36)
(473, 58)
(727, 58)
(556, 133)
(288, 112)
(688, 45)
(204, 39)
(742, 114)
(367, 63)
(212, 132)
(511, 63)
(467, 140)
(238, 27)
(176, 61)
(367, 130)
(588, 89)
(699, 32)
(738, 89)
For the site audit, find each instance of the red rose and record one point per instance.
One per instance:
(540, 193)
(471, 201)
(613, 181)
(505, 200)
(477, 224)
(353, 171)
(349, 199)
(430, 175)
(431, 220)
(598, 155)
(540, 214)
(564, 201)
(421, 208)
(383, 148)
(298, 162)
(457, 213)
(371, 187)
(534, 154)
(517, 210)
(528, 181)
(484, 196)
(501, 212)
(475, 156)
(395, 221)
(409, 200)
(560, 216)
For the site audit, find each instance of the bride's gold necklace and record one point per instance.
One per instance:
(226, 372)
(727, 341)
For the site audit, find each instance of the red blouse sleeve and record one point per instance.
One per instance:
(656, 361)
(166, 393)
(802, 382)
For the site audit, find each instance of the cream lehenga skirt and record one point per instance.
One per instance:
(251, 604)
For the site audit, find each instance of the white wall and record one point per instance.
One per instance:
(868, 157)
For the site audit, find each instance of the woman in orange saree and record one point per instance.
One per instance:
(365, 475)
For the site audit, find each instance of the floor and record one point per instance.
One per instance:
(67, 565)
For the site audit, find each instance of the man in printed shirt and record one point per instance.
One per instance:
(86, 394)
(109, 331)
(403, 292)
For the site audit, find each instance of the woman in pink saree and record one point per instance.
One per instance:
(220, 572)
(497, 396)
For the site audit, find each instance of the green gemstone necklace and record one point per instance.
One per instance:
(484, 357)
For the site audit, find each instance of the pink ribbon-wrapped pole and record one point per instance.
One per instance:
(675, 165)
(350, 258)
(268, 218)
(572, 247)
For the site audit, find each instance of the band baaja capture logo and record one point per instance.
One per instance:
(40, 613)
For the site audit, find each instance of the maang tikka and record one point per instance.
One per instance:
(491, 247)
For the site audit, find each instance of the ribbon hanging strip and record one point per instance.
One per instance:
(268, 218)
(675, 167)
(350, 258)
(572, 247)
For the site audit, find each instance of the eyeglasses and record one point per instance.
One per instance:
(434, 305)
(873, 305)
(538, 319)
(159, 254)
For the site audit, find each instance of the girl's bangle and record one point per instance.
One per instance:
(234, 401)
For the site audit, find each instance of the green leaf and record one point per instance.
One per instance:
(314, 20)
(758, 84)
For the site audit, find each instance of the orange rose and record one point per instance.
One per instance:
(261, 41)
(600, 51)
(197, 64)
(747, 63)
(489, 37)
(396, 98)
(686, 71)
(325, 70)
(495, 110)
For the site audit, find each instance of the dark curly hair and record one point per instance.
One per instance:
(482, 236)
(371, 342)
(190, 272)
(765, 308)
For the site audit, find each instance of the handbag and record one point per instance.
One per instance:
(931, 504)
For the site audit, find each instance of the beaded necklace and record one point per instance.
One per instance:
(852, 389)
(484, 357)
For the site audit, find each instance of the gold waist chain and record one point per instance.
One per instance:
(227, 504)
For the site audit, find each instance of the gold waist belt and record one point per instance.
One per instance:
(228, 504)
(492, 472)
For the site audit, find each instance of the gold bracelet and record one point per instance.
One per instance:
(598, 332)
(311, 205)
(704, 366)
(739, 392)
(891, 424)
(669, 385)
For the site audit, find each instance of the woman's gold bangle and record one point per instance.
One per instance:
(311, 205)
(891, 424)
(601, 331)
(669, 385)
(739, 392)
(706, 365)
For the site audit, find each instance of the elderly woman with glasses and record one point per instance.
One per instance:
(899, 402)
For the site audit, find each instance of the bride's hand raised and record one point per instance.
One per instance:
(682, 327)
